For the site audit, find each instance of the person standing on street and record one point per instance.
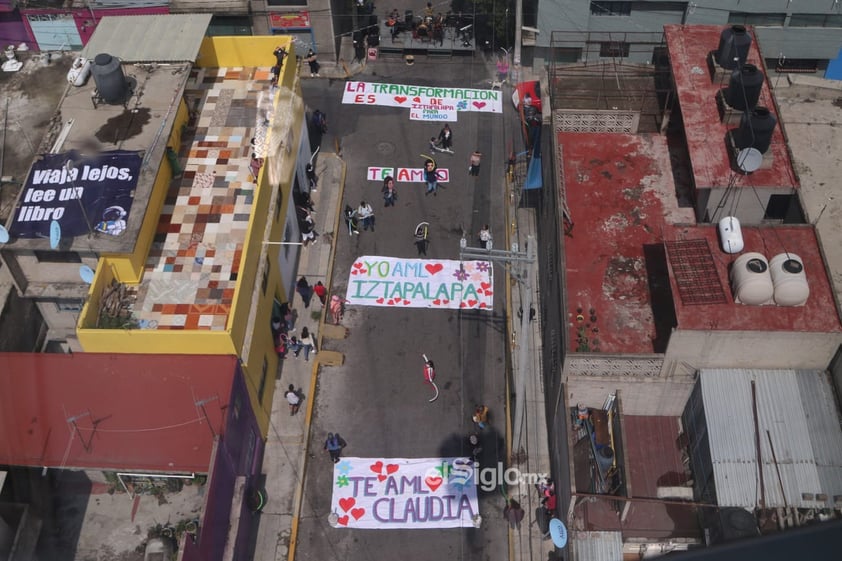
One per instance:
(431, 176)
(366, 213)
(294, 400)
(307, 344)
(475, 160)
(313, 62)
(336, 304)
(321, 291)
(390, 195)
(485, 236)
(305, 290)
(334, 445)
(446, 138)
(480, 417)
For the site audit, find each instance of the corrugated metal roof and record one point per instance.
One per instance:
(796, 410)
(596, 546)
(157, 38)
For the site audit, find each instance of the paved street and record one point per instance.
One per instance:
(377, 400)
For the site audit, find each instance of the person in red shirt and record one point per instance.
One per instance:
(321, 291)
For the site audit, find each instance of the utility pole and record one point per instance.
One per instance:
(525, 261)
(518, 39)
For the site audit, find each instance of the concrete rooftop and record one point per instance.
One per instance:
(689, 46)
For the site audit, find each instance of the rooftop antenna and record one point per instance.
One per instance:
(201, 404)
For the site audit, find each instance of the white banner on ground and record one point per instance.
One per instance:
(391, 493)
(432, 114)
(421, 283)
(423, 97)
(405, 175)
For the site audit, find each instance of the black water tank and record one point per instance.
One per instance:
(747, 80)
(109, 78)
(756, 128)
(734, 42)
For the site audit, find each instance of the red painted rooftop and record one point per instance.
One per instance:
(817, 315)
(689, 46)
(652, 459)
(132, 412)
(621, 196)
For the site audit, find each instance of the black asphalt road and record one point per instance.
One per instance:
(377, 400)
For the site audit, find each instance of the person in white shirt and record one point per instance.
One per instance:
(485, 236)
(366, 214)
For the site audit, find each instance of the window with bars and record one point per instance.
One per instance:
(614, 49)
(611, 8)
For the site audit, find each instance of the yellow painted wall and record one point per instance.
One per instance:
(236, 52)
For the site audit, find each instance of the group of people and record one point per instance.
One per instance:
(283, 327)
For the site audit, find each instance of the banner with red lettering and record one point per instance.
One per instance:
(419, 98)
(405, 175)
(391, 493)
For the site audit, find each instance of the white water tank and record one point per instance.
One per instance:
(789, 280)
(730, 235)
(751, 281)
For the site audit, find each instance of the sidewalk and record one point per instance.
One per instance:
(285, 455)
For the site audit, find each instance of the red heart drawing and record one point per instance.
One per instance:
(437, 302)
(358, 265)
(479, 104)
(416, 99)
(433, 268)
(381, 477)
(347, 503)
(472, 303)
(462, 304)
(343, 520)
(357, 513)
(488, 293)
(407, 302)
(390, 302)
(433, 482)
(355, 272)
(376, 467)
(380, 300)
(392, 468)
(483, 305)
(485, 285)
(400, 98)
(445, 301)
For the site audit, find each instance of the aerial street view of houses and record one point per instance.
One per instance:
(469, 280)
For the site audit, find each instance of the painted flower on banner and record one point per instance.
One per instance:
(460, 274)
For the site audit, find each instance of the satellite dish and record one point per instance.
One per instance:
(4, 234)
(86, 273)
(558, 533)
(55, 234)
(749, 159)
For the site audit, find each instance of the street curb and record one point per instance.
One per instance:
(510, 226)
(314, 377)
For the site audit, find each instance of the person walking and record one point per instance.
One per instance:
(307, 344)
(474, 161)
(312, 180)
(366, 213)
(351, 220)
(305, 290)
(421, 241)
(513, 513)
(390, 194)
(446, 138)
(334, 445)
(485, 237)
(321, 291)
(431, 176)
(294, 399)
(313, 62)
(336, 305)
(480, 417)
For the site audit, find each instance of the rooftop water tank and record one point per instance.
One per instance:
(789, 280)
(744, 87)
(110, 80)
(734, 43)
(751, 281)
(756, 128)
(731, 235)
